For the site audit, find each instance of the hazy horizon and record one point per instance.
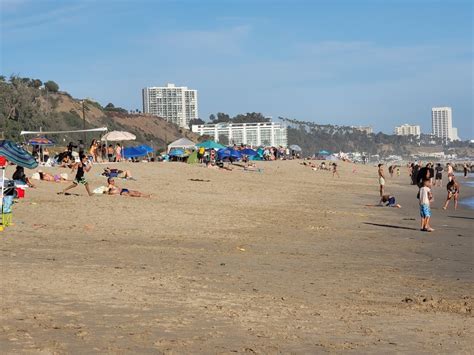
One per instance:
(377, 63)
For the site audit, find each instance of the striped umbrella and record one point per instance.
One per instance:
(17, 155)
(40, 141)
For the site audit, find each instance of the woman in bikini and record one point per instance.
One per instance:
(49, 177)
(453, 192)
(115, 190)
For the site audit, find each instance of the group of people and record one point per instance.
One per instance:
(424, 177)
(85, 165)
(100, 152)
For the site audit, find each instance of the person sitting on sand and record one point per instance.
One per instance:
(453, 192)
(115, 190)
(50, 177)
(124, 174)
(20, 177)
(389, 201)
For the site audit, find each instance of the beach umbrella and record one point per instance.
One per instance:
(323, 152)
(249, 152)
(17, 155)
(43, 141)
(210, 145)
(118, 136)
(228, 153)
(295, 147)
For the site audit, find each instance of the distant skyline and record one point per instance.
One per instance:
(369, 62)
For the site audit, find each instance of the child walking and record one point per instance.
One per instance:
(425, 200)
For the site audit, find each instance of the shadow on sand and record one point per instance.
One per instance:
(461, 217)
(390, 226)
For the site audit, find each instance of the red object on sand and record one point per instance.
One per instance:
(20, 193)
(3, 161)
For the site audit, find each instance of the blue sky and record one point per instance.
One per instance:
(365, 62)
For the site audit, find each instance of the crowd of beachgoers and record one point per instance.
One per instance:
(80, 159)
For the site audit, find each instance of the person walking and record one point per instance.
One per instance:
(82, 167)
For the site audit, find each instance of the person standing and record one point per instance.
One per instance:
(118, 152)
(453, 192)
(465, 170)
(381, 179)
(439, 175)
(110, 153)
(425, 200)
(334, 170)
(82, 167)
(450, 170)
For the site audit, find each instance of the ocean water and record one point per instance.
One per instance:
(469, 182)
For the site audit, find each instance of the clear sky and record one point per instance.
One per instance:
(364, 62)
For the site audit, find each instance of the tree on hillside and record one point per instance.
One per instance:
(109, 106)
(36, 83)
(212, 117)
(222, 118)
(51, 86)
(196, 121)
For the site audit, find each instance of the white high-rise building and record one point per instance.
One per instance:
(442, 123)
(176, 104)
(252, 134)
(407, 130)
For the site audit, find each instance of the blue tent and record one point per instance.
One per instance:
(138, 151)
(228, 153)
(249, 152)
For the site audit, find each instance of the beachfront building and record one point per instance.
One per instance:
(365, 129)
(442, 123)
(408, 130)
(251, 134)
(176, 104)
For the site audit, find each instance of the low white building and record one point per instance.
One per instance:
(252, 134)
(408, 130)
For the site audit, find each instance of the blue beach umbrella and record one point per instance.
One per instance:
(248, 151)
(228, 153)
(17, 155)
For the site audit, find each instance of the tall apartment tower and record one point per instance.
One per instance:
(442, 123)
(176, 104)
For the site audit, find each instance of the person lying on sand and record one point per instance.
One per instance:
(389, 201)
(50, 177)
(124, 174)
(115, 190)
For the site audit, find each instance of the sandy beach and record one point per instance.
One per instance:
(286, 260)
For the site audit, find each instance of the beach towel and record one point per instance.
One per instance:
(100, 190)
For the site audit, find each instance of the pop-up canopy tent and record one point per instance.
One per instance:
(182, 143)
(210, 145)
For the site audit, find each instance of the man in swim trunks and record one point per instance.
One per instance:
(453, 192)
(115, 190)
(82, 167)
(425, 198)
(381, 179)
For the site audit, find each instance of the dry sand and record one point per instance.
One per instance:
(286, 260)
